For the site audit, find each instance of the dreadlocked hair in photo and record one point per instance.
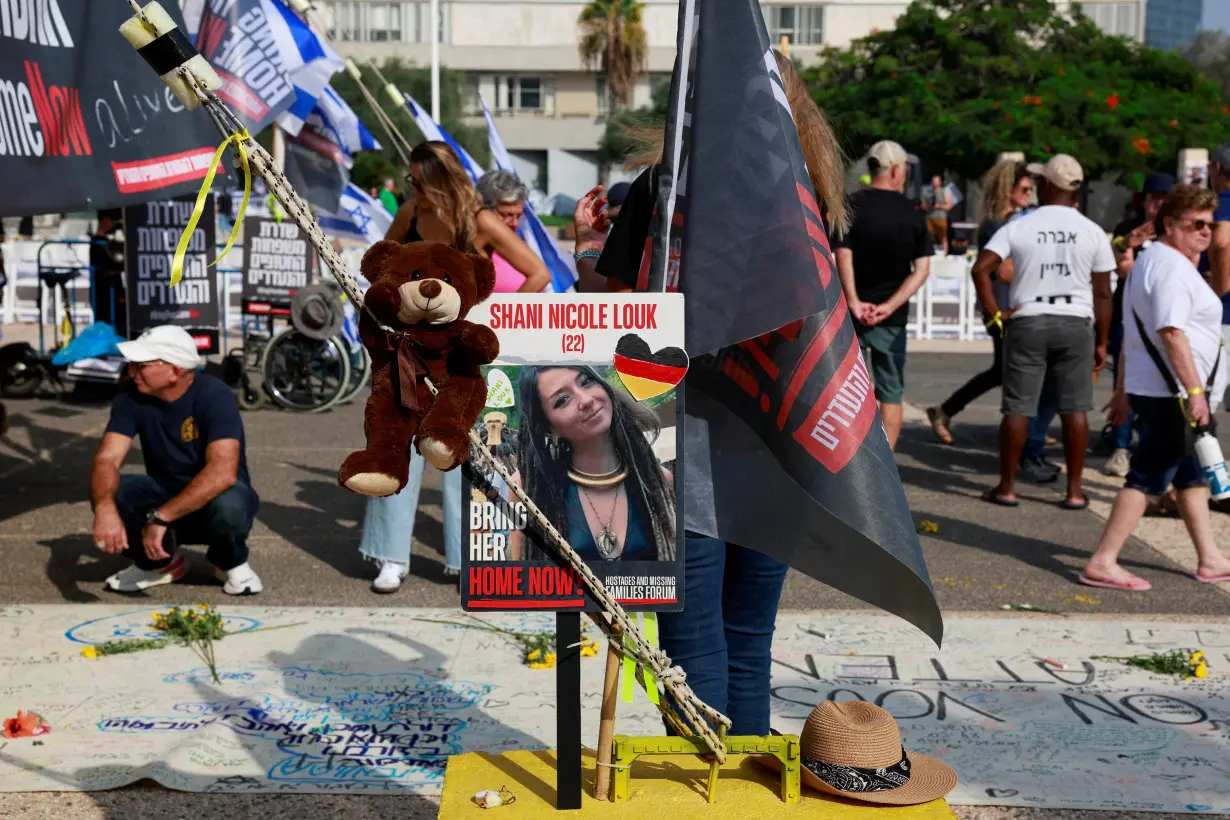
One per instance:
(544, 461)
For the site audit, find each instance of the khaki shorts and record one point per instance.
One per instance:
(938, 229)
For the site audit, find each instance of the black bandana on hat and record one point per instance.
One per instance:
(853, 779)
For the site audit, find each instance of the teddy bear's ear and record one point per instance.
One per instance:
(484, 276)
(378, 259)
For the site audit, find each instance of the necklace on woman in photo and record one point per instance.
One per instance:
(598, 481)
(606, 540)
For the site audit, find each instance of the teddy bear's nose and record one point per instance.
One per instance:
(431, 288)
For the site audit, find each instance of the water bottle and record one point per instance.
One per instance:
(1213, 464)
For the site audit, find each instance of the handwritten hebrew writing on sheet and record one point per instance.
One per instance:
(374, 701)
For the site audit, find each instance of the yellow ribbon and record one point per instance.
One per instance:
(997, 322)
(628, 676)
(177, 264)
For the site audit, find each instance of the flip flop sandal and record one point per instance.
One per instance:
(1081, 505)
(1136, 585)
(994, 498)
(1216, 579)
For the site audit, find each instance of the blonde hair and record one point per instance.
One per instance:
(821, 151)
(444, 182)
(997, 185)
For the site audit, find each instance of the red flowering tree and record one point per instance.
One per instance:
(959, 81)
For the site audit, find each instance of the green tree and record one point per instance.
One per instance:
(959, 81)
(613, 41)
(616, 145)
(372, 167)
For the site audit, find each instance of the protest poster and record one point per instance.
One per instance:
(581, 412)
(277, 261)
(246, 42)
(151, 235)
(84, 124)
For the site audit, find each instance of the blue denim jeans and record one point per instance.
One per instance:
(388, 524)
(1040, 425)
(222, 525)
(723, 638)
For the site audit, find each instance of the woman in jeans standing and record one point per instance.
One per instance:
(445, 208)
(724, 636)
(1009, 190)
(1172, 345)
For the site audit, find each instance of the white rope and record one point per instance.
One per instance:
(672, 677)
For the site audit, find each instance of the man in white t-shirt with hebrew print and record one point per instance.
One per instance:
(1056, 323)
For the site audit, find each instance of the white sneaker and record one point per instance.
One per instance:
(239, 581)
(1119, 463)
(390, 577)
(135, 579)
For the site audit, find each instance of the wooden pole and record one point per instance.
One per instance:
(785, 45)
(606, 726)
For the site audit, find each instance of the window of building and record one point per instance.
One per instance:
(384, 22)
(803, 25)
(1116, 19)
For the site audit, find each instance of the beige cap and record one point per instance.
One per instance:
(1062, 171)
(886, 154)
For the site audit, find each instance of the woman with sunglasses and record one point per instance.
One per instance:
(1008, 191)
(443, 207)
(1172, 347)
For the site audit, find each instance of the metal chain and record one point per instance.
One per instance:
(673, 678)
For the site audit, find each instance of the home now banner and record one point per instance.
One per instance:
(85, 124)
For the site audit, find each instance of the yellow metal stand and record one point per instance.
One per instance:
(784, 747)
(662, 788)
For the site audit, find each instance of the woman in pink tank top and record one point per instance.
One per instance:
(504, 195)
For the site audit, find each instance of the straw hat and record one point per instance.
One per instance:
(853, 749)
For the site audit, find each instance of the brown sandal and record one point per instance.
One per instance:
(939, 424)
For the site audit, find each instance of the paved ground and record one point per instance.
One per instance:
(305, 547)
(305, 543)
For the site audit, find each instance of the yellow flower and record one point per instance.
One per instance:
(1202, 670)
(89, 652)
(1196, 658)
(550, 658)
(535, 655)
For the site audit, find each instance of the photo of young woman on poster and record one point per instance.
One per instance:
(585, 455)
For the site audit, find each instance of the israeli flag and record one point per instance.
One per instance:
(359, 216)
(432, 131)
(334, 119)
(532, 231)
(310, 63)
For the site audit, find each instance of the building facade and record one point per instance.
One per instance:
(522, 56)
(1173, 23)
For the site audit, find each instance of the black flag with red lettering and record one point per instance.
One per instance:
(784, 449)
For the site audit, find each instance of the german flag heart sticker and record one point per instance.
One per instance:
(647, 374)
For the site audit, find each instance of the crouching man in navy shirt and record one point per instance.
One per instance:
(196, 487)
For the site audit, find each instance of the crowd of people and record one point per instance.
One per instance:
(1044, 283)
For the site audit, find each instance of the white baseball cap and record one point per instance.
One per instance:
(1062, 171)
(887, 153)
(167, 343)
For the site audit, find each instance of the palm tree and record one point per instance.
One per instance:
(613, 40)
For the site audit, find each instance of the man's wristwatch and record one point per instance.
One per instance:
(152, 518)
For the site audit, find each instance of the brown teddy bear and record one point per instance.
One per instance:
(423, 290)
